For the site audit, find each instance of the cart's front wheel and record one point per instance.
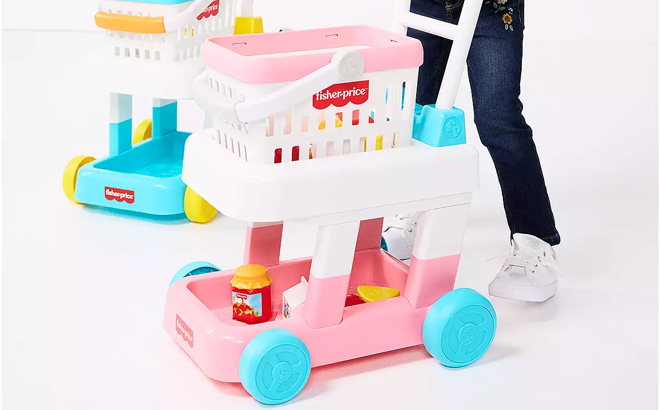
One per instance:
(142, 132)
(274, 366)
(459, 327)
(194, 268)
(71, 175)
(196, 207)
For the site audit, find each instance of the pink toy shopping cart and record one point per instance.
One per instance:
(313, 127)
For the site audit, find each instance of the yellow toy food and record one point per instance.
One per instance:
(338, 123)
(376, 293)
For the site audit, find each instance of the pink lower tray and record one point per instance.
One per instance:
(198, 316)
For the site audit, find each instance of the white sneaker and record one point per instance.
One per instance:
(399, 235)
(529, 272)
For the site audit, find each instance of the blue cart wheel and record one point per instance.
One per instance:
(459, 327)
(194, 268)
(383, 244)
(274, 366)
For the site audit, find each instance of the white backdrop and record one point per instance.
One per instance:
(568, 19)
(83, 289)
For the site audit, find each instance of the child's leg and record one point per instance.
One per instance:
(494, 67)
(529, 272)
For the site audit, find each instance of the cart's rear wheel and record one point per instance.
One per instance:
(192, 269)
(196, 207)
(459, 327)
(142, 132)
(71, 175)
(274, 366)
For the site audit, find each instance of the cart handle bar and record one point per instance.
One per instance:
(160, 24)
(344, 66)
(461, 34)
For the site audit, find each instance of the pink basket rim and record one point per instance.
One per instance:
(236, 56)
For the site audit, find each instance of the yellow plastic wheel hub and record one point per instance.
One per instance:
(71, 175)
(142, 132)
(376, 293)
(196, 207)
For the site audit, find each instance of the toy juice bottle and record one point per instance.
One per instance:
(250, 294)
(293, 298)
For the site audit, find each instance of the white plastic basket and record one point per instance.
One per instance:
(299, 95)
(260, 91)
(187, 26)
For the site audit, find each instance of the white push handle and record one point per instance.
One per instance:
(461, 34)
(344, 66)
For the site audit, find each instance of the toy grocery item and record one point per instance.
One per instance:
(266, 93)
(352, 300)
(376, 293)
(250, 294)
(293, 299)
(152, 48)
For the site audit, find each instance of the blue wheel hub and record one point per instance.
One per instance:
(468, 334)
(275, 366)
(459, 328)
(281, 372)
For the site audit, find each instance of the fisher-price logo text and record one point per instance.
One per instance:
(185, 332)
(210, 10)
(341, 94)
(120, 195)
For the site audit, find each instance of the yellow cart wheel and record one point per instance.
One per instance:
(142, 132)
(196, 207)
(71, 175)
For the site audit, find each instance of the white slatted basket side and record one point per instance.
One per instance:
(300, 128)
(180, 45)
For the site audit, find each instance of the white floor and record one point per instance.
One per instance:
(84, 288)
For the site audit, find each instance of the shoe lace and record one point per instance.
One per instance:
(512, 257)
(399, 221)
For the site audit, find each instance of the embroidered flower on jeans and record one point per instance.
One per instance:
(500, 7)
(508, 20)
(498, 4)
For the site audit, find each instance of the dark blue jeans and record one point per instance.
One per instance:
(494, 68)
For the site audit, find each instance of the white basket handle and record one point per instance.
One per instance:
(344, 66)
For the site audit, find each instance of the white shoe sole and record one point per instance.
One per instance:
(402, 254)
(523, 293)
